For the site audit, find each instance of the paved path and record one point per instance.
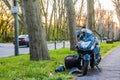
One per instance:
(110, 66)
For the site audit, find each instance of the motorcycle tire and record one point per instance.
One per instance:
(85, 67)
(92, 61)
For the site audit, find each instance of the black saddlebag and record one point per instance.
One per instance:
(72, 61)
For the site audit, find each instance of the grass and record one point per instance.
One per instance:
(104, 48)
(21, 68)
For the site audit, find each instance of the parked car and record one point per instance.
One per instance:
(23, 40)
(104, 39)
(110, 40)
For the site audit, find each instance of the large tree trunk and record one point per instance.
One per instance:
(38, 46)
(72, 22)
(90, 15)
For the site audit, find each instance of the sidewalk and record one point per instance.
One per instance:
(110, 66)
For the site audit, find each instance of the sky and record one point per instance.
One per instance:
(107, 4)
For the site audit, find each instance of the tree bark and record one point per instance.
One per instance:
(38, 46)
(90, 15)
(71, 22)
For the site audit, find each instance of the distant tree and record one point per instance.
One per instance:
(80, 13)
(38, 46)
(45, 5)
(6, 24)
(21, 19)
(71, 22)
(90, 15)
(117, 8)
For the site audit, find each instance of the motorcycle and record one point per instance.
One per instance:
(88, 49)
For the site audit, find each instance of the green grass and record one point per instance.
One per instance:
(21, 68)
(104, 48)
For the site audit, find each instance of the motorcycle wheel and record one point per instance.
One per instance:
(92, 61)
(85, 67)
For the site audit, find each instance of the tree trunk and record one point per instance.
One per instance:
(90, 15)
(55, 21)
(72, 22)
(117, 8)
(38, 46)
(50, 25)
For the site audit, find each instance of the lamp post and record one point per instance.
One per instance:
(14, 10)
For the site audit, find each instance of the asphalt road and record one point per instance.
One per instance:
(7, 49)
(110, 66)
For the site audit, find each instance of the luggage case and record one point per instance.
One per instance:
(72, 61)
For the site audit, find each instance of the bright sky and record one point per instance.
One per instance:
(107, 4)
